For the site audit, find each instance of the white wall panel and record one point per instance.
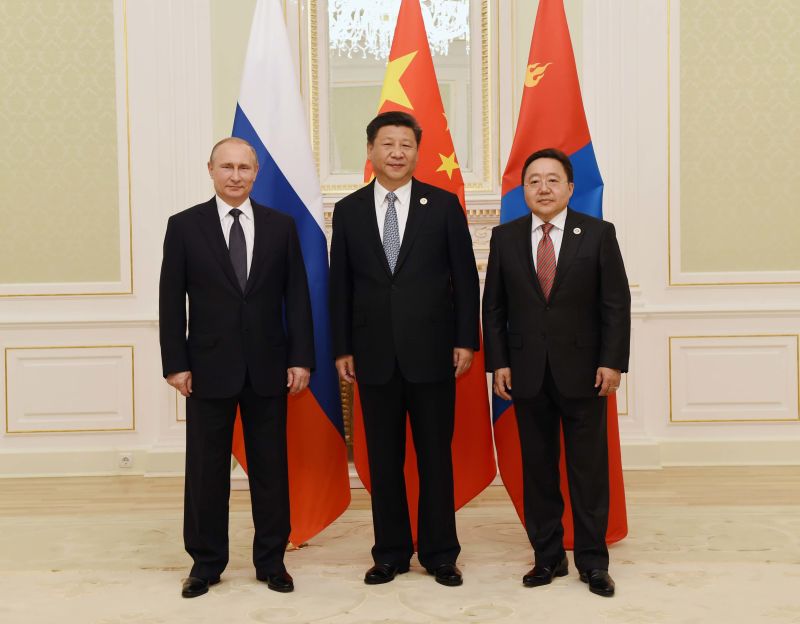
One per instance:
(734, 378)
(69, 389)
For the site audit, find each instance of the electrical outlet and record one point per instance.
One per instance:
(126, 460)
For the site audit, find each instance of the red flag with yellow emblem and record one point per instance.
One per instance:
(551, 115)
(410, 86)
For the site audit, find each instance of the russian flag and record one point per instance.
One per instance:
(270, 116)
(552, 115)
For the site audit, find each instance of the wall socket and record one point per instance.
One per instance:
(126, 460)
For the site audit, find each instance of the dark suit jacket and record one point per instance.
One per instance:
(233, 332)
(418, 315)
(585, 324)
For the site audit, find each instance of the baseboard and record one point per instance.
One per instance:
(91, 462)
(730, 453)
(157, 462)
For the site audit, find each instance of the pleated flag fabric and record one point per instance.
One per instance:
(271, 117)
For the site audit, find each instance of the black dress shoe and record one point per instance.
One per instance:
(543, 575)
(194, 587)
(279, 582)
(599, 581)
(383, 573)
(448, 574)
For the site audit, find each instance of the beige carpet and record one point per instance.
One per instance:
(693, 562)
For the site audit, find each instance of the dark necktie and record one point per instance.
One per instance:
(546, 261)
(238, 249)
(391, 232)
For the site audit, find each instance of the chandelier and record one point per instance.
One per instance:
(365, 27)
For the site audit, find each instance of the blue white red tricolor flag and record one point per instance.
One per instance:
(552, 115)
(270, 116)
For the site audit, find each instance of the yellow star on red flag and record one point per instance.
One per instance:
(392, 89)
(448, 165)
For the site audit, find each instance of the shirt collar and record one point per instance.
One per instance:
(403, 193)
(559, 221)
(223, 209)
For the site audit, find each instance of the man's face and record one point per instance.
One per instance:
(393, 155)
(547, 191)
(233, 170)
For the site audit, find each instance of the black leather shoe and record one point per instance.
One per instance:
(279, 582)
(194, 587)
(383, 573)
(448, 574)
(543, 575)
(599, 581)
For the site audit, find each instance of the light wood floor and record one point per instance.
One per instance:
(708, 545)
(717, 486)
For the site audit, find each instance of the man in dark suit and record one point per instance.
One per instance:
(404, 299)
(556, 318)
(250, 339)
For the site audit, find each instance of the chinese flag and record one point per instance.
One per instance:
(410, 86)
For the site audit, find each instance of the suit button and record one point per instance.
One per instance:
(547, 307)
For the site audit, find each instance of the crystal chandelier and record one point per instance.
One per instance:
(366, 27)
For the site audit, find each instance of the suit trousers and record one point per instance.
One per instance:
(431, 412)
(209, 434)
(540, 420)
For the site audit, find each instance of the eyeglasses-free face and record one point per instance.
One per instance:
(393, 155)
(547, 191)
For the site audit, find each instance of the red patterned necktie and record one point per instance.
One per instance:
(546, 261)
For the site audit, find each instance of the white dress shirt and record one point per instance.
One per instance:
(248, 225)
(556, 233)
(401, 205)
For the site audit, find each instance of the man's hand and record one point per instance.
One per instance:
(502, 383)
(346, 368)
(607, 379)
(297, 379)
(182, 382)
(462, 360)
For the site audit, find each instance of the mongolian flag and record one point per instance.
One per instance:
(551, 115)
(271, 117)
(410, 86)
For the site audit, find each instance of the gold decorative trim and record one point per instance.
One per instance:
(498, 180)
(130, 193)
(486, 138)
(128, 131)
(42, 348)
(625, 413)
(671, 281)
(471, 213)
(313, 79)
(734, 420)
(178, 409)
(669, 152)
(299, 47)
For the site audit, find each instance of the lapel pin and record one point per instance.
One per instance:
(423, 200)
(576, 231)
